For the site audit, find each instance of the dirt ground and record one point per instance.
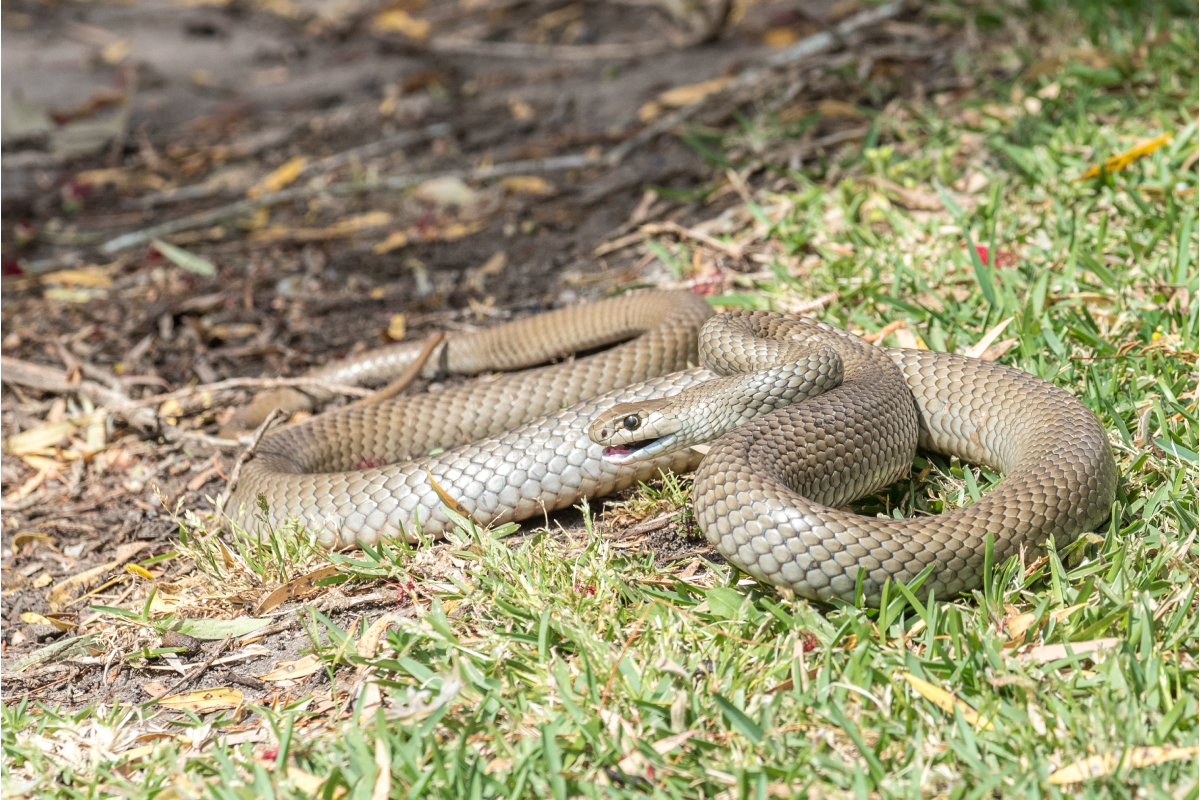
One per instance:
(120, 116)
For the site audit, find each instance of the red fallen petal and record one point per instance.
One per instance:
(10, 267)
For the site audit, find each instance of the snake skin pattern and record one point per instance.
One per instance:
(767, 493)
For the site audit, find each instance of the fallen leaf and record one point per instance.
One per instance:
(780, 37)
(946, 701)
(297, 587)
(22, 539)
(997, 350)
(527, 184)
(1099, 766)
(33, 618)
(395, 239)
(114, 53)
(519, 108)
(182, 258)
(280, 178)
(141, 572)
(633, 763)
(204, 700)
(368, 645)
(445, 191)
(976, 350)
(1122, 160)
(399, 21)
(648, 111)
(1056, 652)
(447, 499)
(291, 670)
(39, 438)
(692, 93)
(78, 277)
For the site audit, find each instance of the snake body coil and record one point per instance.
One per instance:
(766, 493)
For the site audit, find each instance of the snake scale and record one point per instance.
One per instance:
(806, 418)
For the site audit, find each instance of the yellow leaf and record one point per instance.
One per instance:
(204, 700)
(39, 438)
(1099, 766)
(114, 53)
(43, 580)
(780, 37)
(78, 277)
(349, 225)
(141, 572)
(396, 327)
(280, 178)
(447, 500)
(291, 670)
(946, 701)
(686, 95)
(649, 111)
(526, 184)
(401, 22)
(395, 239)
(1123, 160)
(33, 618)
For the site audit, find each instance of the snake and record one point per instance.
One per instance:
(784, 419)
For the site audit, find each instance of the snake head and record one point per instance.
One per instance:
(634, 431)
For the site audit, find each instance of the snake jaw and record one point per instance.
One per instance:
(628, 453)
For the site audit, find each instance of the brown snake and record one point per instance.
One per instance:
(820, 419)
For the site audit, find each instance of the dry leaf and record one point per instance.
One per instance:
(649, 111)
(114, 53)
(997, 350)
(368, 645)
(22, 539)
(946, 701)
(280, 178)
(39, 438)
(1099, 766)
(204, 700)
(519, 108)
(291, 670)
(394, 240)
(33, 618)
(398, 21)
(78, 277)
(1123, 160)
(527, 184)
(397, 327)
(780, 37)
(297, 587)
(141, 572)
(692, 93)
(447, 500)
(1056, 652)
(633, 763)
(976, 350)
(445, 191)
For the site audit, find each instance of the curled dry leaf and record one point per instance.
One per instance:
(280, 178)
(977, 350)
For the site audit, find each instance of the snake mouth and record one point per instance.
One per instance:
(626, 453)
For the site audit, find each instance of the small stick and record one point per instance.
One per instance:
(198, 671)
(409, 375)
(815, 305)
(231, 383)
(731, 250)
(243, 458)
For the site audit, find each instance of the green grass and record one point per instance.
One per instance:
(547, 662)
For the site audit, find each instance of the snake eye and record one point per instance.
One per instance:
(632, 423)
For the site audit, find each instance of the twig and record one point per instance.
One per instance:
(561, 52)
(814, 305)
(409, 375)
(198, 671)
(231, 383)
(117, 150)
(731, 250)
(243, 458)
(249, 206)
(644, 527)
(204, 191)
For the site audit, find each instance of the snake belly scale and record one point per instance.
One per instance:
(767, 494)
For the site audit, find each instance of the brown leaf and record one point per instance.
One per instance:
(298, 587)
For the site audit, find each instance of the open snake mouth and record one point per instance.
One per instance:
(624, 452)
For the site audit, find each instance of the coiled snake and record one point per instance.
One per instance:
(816, 418)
